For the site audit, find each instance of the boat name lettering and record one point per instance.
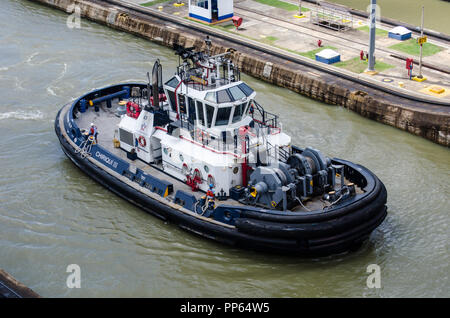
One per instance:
(106, 159)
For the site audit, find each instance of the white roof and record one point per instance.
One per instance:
(327, 54)
(400, 30)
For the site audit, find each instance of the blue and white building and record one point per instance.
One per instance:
(211, 11)
(328, 56)
(400, 33)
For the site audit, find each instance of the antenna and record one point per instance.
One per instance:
(148, 91)
(155, 83)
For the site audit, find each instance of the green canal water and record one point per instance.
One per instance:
(409, 11)
(52, 215)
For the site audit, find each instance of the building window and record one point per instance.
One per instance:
(200, 3)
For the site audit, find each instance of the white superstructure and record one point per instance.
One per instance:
(205, 127)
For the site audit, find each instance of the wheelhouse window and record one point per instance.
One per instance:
(209, 115)
(201, 117)
(237, 93)
(238, 112)
(173, 82)
(172, 100)
(223, 97)
(246, 89)
(191, 110)
(223, 116)
(211, 97)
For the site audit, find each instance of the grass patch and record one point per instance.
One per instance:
(150, 3)
(269, 39)
(224, 27)
(412, 47)
(379, 32)
(282, 5)
(227, 26)
(357, 65)
(312, 54)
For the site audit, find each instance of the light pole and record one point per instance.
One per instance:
(373, 6)
(421, 46)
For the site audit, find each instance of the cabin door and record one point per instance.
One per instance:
(214, 10)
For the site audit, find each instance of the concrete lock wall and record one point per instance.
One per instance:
(432, 124)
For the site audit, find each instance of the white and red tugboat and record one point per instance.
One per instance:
(201, 152)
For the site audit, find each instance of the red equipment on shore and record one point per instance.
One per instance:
(409, 66)
(237, 21)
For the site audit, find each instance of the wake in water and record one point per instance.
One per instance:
(22, 115)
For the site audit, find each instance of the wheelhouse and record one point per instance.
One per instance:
(218, 108)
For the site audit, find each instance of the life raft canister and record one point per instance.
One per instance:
(133, 110)
(142, 141)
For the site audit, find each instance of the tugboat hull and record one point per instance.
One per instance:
(316, 233)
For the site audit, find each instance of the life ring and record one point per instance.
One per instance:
(142, 141)
(198, 176)
(185, 170)
(211, 180)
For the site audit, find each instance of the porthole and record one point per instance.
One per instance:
(206, 169)
(236, 170)
(181, 157)
(166, 151)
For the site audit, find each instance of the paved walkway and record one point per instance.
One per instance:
(278, 27)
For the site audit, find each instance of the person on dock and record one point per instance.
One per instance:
(211, 196)
(93, 132)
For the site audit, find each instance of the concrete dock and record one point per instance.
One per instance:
(277, 47)
(11, 288)
(283, 29)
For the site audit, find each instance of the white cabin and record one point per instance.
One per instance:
(216, 132)
(211, 11)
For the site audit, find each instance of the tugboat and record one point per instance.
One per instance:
(199, 151)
